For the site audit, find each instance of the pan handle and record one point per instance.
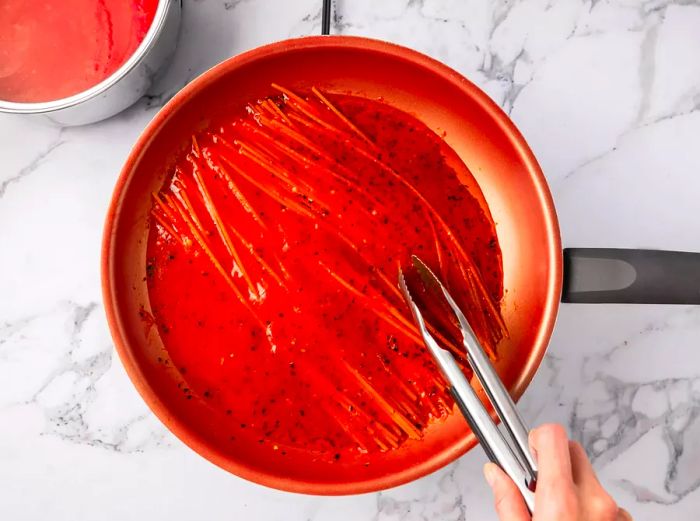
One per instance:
(607, 275)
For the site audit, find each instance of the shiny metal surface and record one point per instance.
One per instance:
(520, 467)
(516, 430)
(120, 90)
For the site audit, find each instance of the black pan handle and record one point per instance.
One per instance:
(606, 275)
(326, 9)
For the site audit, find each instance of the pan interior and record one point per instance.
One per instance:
(476, 130)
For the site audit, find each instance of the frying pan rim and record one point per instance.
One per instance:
(109, 286)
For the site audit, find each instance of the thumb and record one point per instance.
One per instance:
(510, 505)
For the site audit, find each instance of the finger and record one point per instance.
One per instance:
(581, 468)
(599, 504)
(551, 444)
(623, 515)
(510, 505)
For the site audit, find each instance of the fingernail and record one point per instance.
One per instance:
(530, 438)
(490, 474)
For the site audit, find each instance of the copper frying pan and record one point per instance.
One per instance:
(484, 138)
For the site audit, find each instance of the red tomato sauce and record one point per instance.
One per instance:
(272, 266)
(51, 49)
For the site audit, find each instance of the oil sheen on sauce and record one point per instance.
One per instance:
(272, 265)
(51, 49)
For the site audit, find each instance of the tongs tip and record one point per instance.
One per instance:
(432, 282)
(407, 294)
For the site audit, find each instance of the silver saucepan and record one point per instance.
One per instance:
(121, 89)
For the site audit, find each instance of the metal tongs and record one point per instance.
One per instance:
(511, 452)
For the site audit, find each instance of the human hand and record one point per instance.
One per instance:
(567, 487)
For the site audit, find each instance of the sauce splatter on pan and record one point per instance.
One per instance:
(272, 266)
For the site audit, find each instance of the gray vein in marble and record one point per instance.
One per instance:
(496, 69)
(667, 117)
(636, 409)
(310, 23)
(592, 160)
(337, 24)
(504, 72)
(68, 391)
(33, 164)
(610, 415)
(159, 99)
(625, 134)
(8, 329)
(232, 4)
(443, 499)
(501, 12)
(79, 315)
(652, 18)
(414, 5)
(654, 6)
(551, 365)
(682, 475)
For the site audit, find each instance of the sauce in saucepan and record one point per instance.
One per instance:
(51, 49)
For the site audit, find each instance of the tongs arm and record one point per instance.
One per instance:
(516, 430)
(513, 456)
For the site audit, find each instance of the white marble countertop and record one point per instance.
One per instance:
(607, 92)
